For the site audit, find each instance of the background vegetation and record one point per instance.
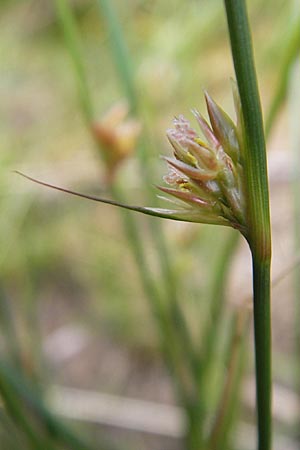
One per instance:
(73, 309)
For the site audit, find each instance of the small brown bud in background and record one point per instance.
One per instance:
(117, 136)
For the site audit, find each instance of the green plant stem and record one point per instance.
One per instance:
(120, 51)
(176, 315)
(216, 299)
(221, 273)
(13, 407)
(255, 165)
(262, 332)
(169, 348)
(73, 42)
(11, 437)
(173, 348)
(290, 52)
(219, 435)
(124, 68)
(8, 327)
(194, 436)
(123, 65)
(258, 219)
(23, 404)
(179, 333)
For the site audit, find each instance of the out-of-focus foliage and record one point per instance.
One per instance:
(65, 262)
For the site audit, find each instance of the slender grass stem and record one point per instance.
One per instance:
(211, 334)
(13, 407)
(216, 299)
(168, 346)
(291, 51)
(8, 326)
(220, 432)
(168, 331)
(16, 392)
(73, 42)
(258, 219)
(124, 67)
(120, 51)
(176, 315)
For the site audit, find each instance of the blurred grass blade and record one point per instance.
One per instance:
(71, 33)
(72, 38)
(216, 301)
(222, 427)
(291, 51)
(8, 328)
(22, 402)
(120, 51)
(17, 413)
(124, 68)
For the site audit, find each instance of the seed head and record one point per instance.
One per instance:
(206, 173)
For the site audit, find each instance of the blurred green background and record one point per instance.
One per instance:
(72, 305)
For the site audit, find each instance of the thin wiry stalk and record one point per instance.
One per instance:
(211, 334)
(74, 47)
(11, 437)
(124, 67)
(12, 405)
(262, 331)
(292, 48)
(9, 329)
(225, 258)
(72, 40)
(216, 299)
(258, 216)
(221, 276)
(120, 52)
(168, 343)
(220, 433)
(20, 401)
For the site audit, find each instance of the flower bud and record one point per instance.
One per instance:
(117, 136)
(208, 175)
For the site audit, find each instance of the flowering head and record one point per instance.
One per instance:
(206, 176)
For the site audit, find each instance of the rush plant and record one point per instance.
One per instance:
(219, 176)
